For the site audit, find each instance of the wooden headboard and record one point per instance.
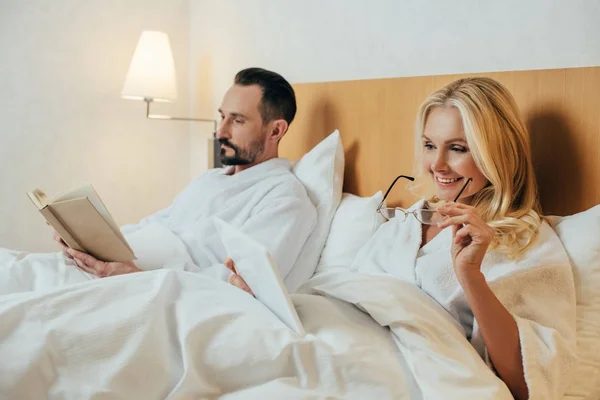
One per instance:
(561, 108)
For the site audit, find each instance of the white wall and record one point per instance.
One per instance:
(328, 40)
(62, 120)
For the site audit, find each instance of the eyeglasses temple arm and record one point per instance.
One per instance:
(463, 189)
(410, 178)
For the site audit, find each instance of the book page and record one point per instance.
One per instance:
(38, 198)
(255, 265)
(87, 190)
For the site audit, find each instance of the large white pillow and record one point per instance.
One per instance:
(321, 171)
(580, 234)
(355, 221)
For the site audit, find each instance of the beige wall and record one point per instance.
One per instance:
(62, 120)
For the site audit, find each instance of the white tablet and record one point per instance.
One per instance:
(256, 266)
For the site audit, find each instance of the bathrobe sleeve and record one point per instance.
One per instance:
(539, 292)
(282, 222)
(159, 217)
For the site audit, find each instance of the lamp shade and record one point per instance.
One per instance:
(152, 70)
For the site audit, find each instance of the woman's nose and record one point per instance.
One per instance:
(439, 163)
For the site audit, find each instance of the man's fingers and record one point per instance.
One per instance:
(77, 254)
(84, 267)
(85, 258)
(238, 282)
(230, 265)
(63, 246)
(57, 238)
(244, 286)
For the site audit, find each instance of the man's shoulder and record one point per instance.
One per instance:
(288, 184)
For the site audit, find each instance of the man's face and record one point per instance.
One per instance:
(241, 131)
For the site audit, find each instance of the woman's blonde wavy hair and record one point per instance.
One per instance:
(499, 143)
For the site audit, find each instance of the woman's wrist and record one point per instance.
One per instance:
(471, 279)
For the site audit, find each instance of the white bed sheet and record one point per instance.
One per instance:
(177, 335)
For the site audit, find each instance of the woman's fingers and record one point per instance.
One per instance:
(457, 220)
(454, 209)
(462, 233)
(459, 214)
(454, 205)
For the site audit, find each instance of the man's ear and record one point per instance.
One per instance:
(278, 128)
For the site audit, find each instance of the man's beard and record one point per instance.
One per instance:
(241, 156)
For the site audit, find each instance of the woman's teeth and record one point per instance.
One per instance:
(442, 180)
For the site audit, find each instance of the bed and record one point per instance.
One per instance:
(167, 334)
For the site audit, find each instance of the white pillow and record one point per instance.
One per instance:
(580, 234)
(321, 171)
(355, 221)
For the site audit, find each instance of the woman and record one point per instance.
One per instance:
(481, 248)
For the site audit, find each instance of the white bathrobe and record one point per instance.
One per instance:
(538, 290)
(265, 201)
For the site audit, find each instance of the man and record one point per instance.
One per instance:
(257, 193)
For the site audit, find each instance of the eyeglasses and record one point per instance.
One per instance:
(424, 216)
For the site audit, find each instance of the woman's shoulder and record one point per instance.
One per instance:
(546, 250)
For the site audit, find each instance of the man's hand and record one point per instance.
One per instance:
(235, 279)
(61, 243)
(99, 268)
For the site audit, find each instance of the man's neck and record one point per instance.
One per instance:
(239, 168)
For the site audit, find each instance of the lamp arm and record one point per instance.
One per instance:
(168, 117)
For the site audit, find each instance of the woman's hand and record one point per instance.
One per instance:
(471, 237)
(99, 268)
(235, 279)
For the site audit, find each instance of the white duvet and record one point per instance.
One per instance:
(179, 335)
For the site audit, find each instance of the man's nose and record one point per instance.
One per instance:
(222, 131)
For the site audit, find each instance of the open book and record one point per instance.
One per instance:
(256, 266)
(84, 223)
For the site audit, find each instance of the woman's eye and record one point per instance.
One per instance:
(428, 146)
(459, 149)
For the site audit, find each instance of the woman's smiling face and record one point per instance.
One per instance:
(447, 157)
